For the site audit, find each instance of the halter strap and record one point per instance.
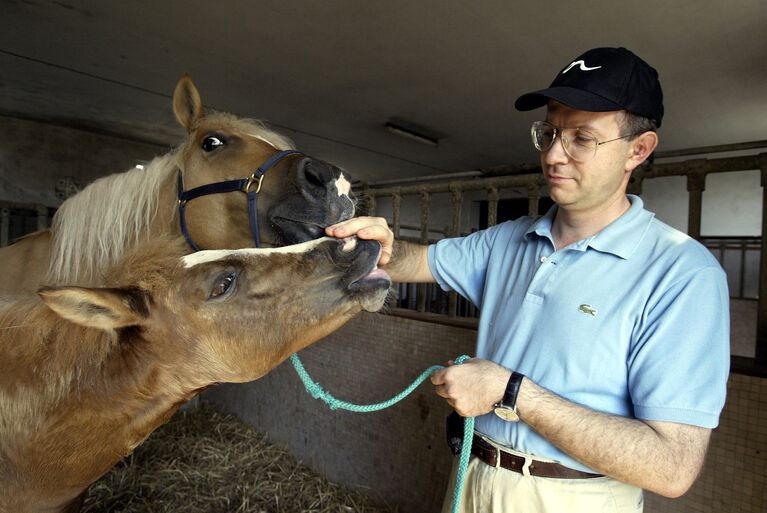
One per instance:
(250, 186)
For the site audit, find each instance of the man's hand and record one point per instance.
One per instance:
(403, 261)
(473, 387)
(369, 228)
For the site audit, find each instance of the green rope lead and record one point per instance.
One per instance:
(317, 392)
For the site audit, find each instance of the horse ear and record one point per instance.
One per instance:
(187, 105)
(101, 308)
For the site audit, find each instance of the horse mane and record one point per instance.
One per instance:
(64, 355)
(93, 228)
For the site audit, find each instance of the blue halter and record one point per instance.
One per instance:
(250, 186)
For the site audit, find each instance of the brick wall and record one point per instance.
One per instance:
(399, 455)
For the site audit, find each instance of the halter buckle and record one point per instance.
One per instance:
(251, 180)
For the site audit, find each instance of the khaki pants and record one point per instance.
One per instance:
(498, 490)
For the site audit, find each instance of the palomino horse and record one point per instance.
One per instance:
(297, 197)
(86, 374)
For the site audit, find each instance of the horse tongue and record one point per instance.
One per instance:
(377, 273)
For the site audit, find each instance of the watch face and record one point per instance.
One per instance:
(507, 414)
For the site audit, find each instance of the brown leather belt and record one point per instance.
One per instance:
(489, 454)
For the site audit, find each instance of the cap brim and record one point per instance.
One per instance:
(574, 98)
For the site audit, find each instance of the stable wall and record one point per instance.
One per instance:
(36, 156)
(399, 455)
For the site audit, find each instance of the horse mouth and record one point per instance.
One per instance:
(367, 283)
(294, 231)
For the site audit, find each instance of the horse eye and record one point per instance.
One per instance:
(211, 142)
(223, 285)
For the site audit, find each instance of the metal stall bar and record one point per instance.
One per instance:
(492, 206)
(42, 217)
(696, 184)
(455, 230)
(761, 312)
(423, 288)
(695, 170)
(5, 226)
(533, 196)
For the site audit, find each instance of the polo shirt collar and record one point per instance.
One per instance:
(620, 238)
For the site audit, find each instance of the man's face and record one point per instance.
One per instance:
(597, 183)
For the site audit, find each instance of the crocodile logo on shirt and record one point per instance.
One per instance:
(588, 310)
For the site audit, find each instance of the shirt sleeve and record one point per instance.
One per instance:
(460, 263)
(679, 365)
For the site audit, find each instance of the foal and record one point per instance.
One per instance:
(86, 374)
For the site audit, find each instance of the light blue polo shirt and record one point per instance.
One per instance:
(633, 321)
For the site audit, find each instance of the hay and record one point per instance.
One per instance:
(205, 462)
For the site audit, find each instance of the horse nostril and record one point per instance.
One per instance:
(314, 176)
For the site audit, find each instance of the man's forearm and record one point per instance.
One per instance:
(662, 457)
(409, 263)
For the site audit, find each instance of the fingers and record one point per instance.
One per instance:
(357, 224)
(368, 228)
(438, 377)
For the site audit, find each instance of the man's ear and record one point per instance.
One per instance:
(102, 308)
(641, 148)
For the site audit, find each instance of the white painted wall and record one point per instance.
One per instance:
(732, 203)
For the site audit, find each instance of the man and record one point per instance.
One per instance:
(603, 343)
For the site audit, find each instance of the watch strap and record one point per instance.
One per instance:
(512, 390)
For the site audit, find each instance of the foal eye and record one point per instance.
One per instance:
(223, 285)
(211, 142)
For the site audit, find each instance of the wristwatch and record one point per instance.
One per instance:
(507, 408)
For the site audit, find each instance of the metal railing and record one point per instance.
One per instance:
(739, 256)
(430, 300)
(17, 220)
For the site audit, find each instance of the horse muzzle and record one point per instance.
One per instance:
(361, 278)
(321, 197)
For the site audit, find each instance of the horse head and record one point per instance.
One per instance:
(234, 314)
(89, 374)
(298, 197)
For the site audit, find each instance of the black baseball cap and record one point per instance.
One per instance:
(601, 80)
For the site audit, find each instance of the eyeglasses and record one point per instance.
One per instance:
(580, 145)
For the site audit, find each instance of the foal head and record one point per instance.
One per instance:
(228, 315)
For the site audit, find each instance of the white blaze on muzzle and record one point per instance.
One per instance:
(212, 255)
(343, 186)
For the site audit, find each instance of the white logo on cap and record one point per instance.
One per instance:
(581, 65)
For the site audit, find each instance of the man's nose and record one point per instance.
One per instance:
(556, 154)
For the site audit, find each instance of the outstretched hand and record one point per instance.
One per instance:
(368, 228)
(473, 387)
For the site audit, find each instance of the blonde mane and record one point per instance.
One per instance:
(93, 228)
